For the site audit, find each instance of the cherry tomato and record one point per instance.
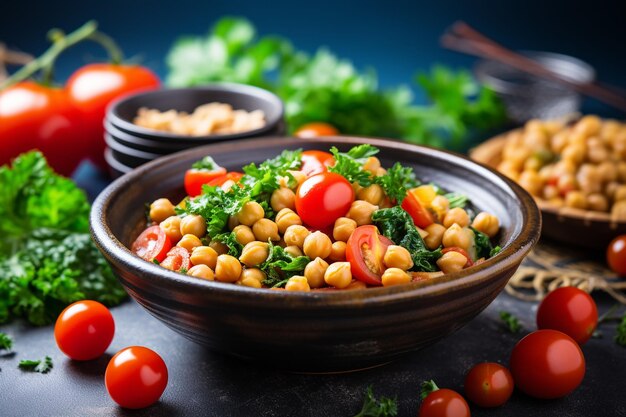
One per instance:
(616, 255)
(569, 310)
(84, 330)
(136, 377)
(315, 129)
(421, 217)
(489, 384)
(92, 87)
(547, 364)
(219, 181)
(365, 251)
(33, 116)
(196, 178)
(444, 403)
(323, 198)
(177, 258)
(152, 244)
(315, 162)
(462, 252)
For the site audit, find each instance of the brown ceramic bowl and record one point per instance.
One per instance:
(323, 331)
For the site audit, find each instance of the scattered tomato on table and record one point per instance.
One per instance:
(489, 384)
(616, 255)
(569, 310)
(442, 402)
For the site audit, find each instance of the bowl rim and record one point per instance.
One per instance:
(113, 117)
(511, 254)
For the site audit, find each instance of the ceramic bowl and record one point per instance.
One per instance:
(325, 331)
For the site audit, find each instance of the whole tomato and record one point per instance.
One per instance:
(569, 310)
(489, 384)
(92, 87)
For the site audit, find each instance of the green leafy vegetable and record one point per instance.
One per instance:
(6, 343)
(456, 200)
(484, 248)
(230, 240)
(511, 323)
(280, 266)
(397, 225)
(426, 388)
(383, 407)
(620, 335)
(42, 365)
(206, 163)
(350, 164)
(397, 181)
(47, 257)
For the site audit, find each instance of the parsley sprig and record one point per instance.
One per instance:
(350, 164)
(620, 334)
(41, 365)
(383, 407)
(6, 342)
(280, 266)
(511, 323)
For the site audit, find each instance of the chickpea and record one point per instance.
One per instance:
(486, 223)
(558, 141)
(398, 257)
(457, 236)
(314, 272)
(380, 172)
(297, 283)
(250, 213)
(201, 271)
(243, 234)
(227, 269)
(193, 225)
(435, 235)
(171, 227)
(228, 184)
(265, 229)
(611, 188)
(253, 273)
(550, 192)
(373, 194)
(607, 171)
(343, 228)
(361, 212)
(618, 211)
(597, 154)
(356, 187)
(317, 244)
(588, 125)
(620, 193)
(295, 235)
(621, 171)
(531, 182)
(597, 202)
(189, 242)
(574, 153)
(440, 205)
(161, 209)
(338, 274)
(285, 218)
(576, 199)
(298, 178)
(204, 255)
(395, 276)
(254, 253)
(456, 215)
(566, 183)
(219, 247)
(356, 285)
(451, 262)
(371, 164)
(232, 222)
(249, 282)
(283, 198)
(294, 251)
(588, 178)
(337, 251)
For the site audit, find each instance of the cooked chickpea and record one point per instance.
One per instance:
(265, 229)
(373, 194)
(550, 192)
(218, 247)
(227, 269)
(161, 209)
(597, 202)
(451, 262)
(440, 206)
(253, 273)
(254, 253)
(285, 218)
(618, 211)
(294, 251)
(456, 215)
(193, 225)
(356, 285)
(297, 283)
(361, 212)
(435, 235)
(343, 228)
(204, 255)
(607, 171)
(574, 153)
(189, 242)
(337, 251)
(576, 199)
(249, 282)
(398, 257)
(243, 234)
(338, 275)
(457, 236)
(250, 213)
(619, 193)
(531, 182)
(371, 164)
(566, 183)
(171, 227)
(295, 235)
(232, 222)
(588, 125)
(486, 223)
(317, 244)
(597, 154)
(298, 178)
(395, 276)
(201, 271)
(314, 272)
(283, 198)
(380, 172)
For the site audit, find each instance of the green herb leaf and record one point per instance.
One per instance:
(42, 365)
(383, 407)
(397, 181)
(427, 387)
(511, 322)
(484, 248)
(206, 163)
(457, 200)
(620, 335)
(350, 164)
(280, 266)
(6, 343)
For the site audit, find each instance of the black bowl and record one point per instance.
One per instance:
(321, 331)
(116, 168)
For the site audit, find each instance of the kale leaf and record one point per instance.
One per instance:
(280, 266)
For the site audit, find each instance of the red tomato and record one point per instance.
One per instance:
(569, 310)
(315, 129)
(136, 377)
(33, 116)
(616, 255)
(462, 252)
(489, 384)
(196, 178)
(219, 181)
(547, 364)
(421, 217)
(177, 259)
(84, 330)
(152, 244)
(315, 162)
(365, 251)
(323, 198)
(444, 403)
(92, 87)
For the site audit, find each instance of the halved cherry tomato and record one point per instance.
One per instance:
(196, 178)
(444, 403)
(489, 384)
(177, 259)
(616, 255)
(569, 310)
(323, 198)
(315, 162)
(315, 129)
(152, 244)
(462, 252)
(365, 251)
(421, 217)
(219, 181)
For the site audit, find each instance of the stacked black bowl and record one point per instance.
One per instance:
(130, 145)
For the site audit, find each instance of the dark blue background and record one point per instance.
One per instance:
(395, 37)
